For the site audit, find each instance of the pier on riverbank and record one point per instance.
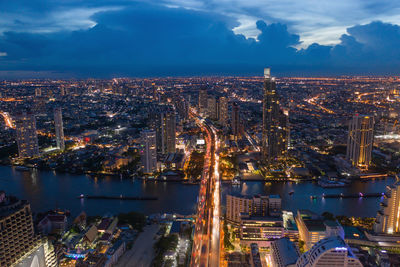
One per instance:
(362, 195)
(121, 197)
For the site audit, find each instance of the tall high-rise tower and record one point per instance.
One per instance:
(275, 123)
(148, 151)
(223, 111)
(212, 107)
(202, 100)
(38, 91)
(58, 125)
(360, 141)
(165, 124)
(182, 107)
(17, 235)
(170, 131)
(26, 135)
(62, 91)
(388, 217)
(235, 119)
(19, 246)
(155, 92)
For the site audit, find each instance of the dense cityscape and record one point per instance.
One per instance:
(240, 147)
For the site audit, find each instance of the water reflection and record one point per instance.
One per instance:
(364, 207)
(244, 189)
(45, 189)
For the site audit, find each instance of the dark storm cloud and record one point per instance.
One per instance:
(149, 40)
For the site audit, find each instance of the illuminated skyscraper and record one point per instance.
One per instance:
(166, 131)
(360, 141)
(275, 123)
(182, 107)
(58, 125)
(148, 151)
(202, 100)
(388, 217)
(26, 135)
(235, 120)
(62, 91)
(163, 121)
(38, 91)
(223, 111)
(19, 246)
(212, 107)
(169, 122)
(155, 92)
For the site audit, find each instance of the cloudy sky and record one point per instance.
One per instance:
(105, 38)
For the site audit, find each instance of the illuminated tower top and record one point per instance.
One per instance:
(267, 73)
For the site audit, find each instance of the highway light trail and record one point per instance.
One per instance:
(7, 119)
(206, 239)
(215, 233)
(314, 101)
(256, 148)
(201, 240)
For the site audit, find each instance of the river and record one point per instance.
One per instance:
(47, 190)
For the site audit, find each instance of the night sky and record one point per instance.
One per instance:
(98, 38)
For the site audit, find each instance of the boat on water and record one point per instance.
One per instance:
(291, 193)
(120, 197)
(331, 184)
(313, 197)
(22, 169)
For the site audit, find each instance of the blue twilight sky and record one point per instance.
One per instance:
(106, 38)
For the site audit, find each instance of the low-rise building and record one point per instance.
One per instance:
(284, 253)
(174, 161)
(53, 224)
(107, 225)
(259, 206)
(115, 252)
(260, 230)
(289, 223)
(235, 205)
(330, 251)
(90, 235)
(311, 227)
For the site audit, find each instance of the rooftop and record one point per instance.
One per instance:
(105, 222)
(288, 253)
(315, 225)
(10, 204)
